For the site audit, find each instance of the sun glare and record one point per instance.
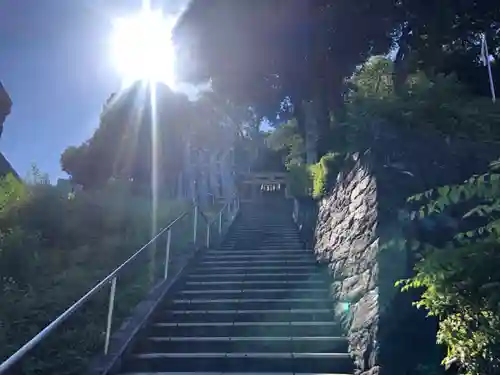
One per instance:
(142, 47)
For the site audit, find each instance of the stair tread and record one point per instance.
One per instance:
(259, 304)
(260, 261)
(225, 373)
(242, 355)
(228, 291)
(251, 274)
(311, 267)
(247, 338)
(250, 311)
(257, 300)
(243, 282)
(244, 324)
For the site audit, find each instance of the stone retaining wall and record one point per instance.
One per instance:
(358, 216)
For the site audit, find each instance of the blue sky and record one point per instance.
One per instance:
(55, 64)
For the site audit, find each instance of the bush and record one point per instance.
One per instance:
(437, 103)
(299, 180)
(322, 172)
(55, 247)
(314, 180)
(460, 275)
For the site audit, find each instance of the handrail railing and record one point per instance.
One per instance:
(232, 207)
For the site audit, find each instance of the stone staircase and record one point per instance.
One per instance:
(258, 304)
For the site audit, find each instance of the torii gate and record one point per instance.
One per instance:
(253, 186)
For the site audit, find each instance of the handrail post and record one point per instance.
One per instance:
(220, 223)
(295, 210)
(167, 253)
(111, 278)
(195, 224)
(110, 314)
(208, 236)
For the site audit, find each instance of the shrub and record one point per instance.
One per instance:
(299, 180)
(54, 248)
(314, 180)
(460, 276)
(322, 172)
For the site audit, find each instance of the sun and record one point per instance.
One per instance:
(142, 49)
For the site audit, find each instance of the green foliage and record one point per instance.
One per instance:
(286, 140)
(12, 193)
(129, 130)
(440, 38)
(313, 180)
(54, 249)
(328, 166)
(440, 103)
(299, 180)
(460, 277)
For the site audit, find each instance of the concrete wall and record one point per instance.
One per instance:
(359, 216)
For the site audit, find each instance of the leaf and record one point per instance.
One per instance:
(414, 245)
(421, 213)
(454, 195)
(444, 190)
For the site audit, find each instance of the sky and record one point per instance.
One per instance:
(56, 66)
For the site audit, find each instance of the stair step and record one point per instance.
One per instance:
(258, 304)
(246, 324)
(246, 315)
(243, 355)
(248, 300)
(268, 277)
(258, 261)
(249, 362)
(258, 252)
(243, 291)
(263, 233)
(253, 293)
(256, 284)
(220, 373)
(244, 329)
(279, 245)
(262, 237)
(264, 247)
(248, 304)
(210, 269)
(298, 255)
(219, 344)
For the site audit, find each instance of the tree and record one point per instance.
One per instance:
(299, 50)
(131, 140)
(287, 141)
(305, 49)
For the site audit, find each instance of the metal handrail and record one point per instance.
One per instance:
(21, 352)
(218, 217)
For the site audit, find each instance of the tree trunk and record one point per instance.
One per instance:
(401, 66)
